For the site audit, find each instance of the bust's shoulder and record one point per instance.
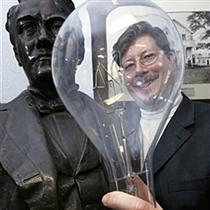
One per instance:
(20, 100)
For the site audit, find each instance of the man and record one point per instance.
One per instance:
(46, 161)
(181, 158)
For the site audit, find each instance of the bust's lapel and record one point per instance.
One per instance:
(24, 155)
(23, 152)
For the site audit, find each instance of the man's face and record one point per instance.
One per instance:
(37, 25)
(147, 70)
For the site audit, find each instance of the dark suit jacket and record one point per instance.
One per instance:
(182, 159)
(181, 163)
(28, 172)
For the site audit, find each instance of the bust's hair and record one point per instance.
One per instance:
(132, 33)
(67, 5)
(10, 25)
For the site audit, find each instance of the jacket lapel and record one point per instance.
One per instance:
(23, 150)
(24, 154)
(175, 135)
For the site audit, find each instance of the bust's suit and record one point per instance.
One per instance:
(46, 162)
(182, 158)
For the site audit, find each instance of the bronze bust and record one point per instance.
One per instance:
(46, 161)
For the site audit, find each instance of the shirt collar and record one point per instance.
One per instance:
(45, 105)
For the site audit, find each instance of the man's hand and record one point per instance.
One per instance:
(123, 201)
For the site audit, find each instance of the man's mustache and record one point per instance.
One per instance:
(142, 81)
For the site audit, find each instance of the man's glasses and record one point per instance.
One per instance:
(145, 59)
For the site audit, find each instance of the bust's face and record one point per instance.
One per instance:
(37, 25)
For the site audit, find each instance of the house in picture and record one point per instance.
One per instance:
(188, 42)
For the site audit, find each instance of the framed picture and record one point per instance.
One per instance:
(194, 29)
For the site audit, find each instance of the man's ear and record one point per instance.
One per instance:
(171, 56)
(172, 60)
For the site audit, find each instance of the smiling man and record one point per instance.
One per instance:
(46, 161)
(149, 62)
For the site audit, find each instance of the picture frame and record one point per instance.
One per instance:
(194, 30)
(196, 44)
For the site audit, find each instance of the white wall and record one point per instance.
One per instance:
(12, 78)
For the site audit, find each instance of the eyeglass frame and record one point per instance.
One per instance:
(153, 55)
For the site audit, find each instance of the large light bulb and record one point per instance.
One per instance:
(118, 67)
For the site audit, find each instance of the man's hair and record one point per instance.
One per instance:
(135, 31)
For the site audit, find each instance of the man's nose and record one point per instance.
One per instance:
(140, 69)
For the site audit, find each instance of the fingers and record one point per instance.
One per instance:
(123, 201)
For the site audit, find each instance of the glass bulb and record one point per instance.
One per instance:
(118, 67)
